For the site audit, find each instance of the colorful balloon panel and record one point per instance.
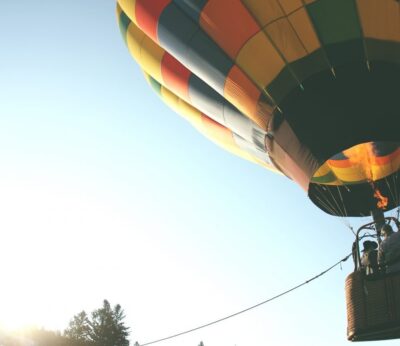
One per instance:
(307, 88)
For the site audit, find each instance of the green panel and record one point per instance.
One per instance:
(327, 178)
(155, 85)
(123, 22)
(335, 20)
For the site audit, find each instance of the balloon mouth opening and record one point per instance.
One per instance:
(358, 180)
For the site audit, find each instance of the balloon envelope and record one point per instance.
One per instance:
(307, 88)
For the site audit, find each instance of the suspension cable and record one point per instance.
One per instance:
(250, 308)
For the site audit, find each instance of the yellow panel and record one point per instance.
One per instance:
(290, 5)
(356, 173)
(286, 40)
(145, 51)
(134, 38)
(150, 58)
(259, 59)
(190, 113)
(381, 171)
(323, 170)
(349, 174)
(128, 6)
(305, 30)
(170, 98)
(380, 19)
(264, 11)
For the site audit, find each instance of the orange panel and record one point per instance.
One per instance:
(264, 11)
(217, 131)
(305, 30)
(286, 40)
(290, 5)
(229, 24)
(243, 93)
(380, 19)
(260, 60)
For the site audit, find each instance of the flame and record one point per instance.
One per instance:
(362, 155)
(382, 200)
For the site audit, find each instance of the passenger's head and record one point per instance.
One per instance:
(386, 231)
(369, 245)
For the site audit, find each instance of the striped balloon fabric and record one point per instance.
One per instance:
(307, 88)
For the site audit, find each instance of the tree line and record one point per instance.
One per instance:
(102, 327)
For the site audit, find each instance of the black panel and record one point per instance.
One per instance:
(345, 52)
(334, 113)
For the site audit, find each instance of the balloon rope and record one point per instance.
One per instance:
(341, 198)
(397, 193)
(345, 221)
(393, 194)
(250, 308)
(341, 212)
(332, 202)
(325, 201)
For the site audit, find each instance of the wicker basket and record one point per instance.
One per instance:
(373, 307)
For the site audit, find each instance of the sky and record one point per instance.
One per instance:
(106, 193)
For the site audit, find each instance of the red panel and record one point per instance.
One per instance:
(345, 163)
(229, 23)
(147, 14)
(176, 76)
(383, 160)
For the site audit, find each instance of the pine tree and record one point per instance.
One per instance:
(107, 327)
(79, 328)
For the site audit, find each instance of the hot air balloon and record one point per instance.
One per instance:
(305, 88)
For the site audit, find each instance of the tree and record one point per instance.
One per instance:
(201, 343)
(105, 327)
(79, 329)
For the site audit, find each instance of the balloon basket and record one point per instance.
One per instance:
(373, 306)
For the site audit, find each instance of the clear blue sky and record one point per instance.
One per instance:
(106, 193)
